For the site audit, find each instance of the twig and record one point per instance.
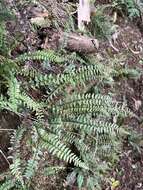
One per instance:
(7, 130)
(4, 157)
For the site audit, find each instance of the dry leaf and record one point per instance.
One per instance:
(45, 14)
(40, 21)
(138, 103)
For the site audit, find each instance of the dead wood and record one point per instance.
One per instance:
(76, 42)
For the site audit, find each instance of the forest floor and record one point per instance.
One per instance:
(128, 47)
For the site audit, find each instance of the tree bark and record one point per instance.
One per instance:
(78, 43)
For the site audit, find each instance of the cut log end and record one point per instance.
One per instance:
(78, 43)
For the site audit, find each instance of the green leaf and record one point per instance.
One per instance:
(80, 180)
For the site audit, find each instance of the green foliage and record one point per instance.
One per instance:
(16, 166)
(49, 55)
(101, 24)
(8, 185)
(6, 64)
(129, 7)
(56, 147)
(5, 15)
(32, 164)
(89, 179)
(60, 113)
(62, 118)
(135, 140)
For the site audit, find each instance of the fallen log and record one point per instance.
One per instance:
(76, 42)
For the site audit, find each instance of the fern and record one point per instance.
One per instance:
(57, 83)
(49, 55)
(83, 104)
(17, 99)
(56, 147)
(74, 78)
(89, 125)
(5, 14)
(80, 76)
(101, 25)
(15, 167)
(8, 185)
(3, 102)
(32, 164)
(130, 7)
(59, 119)
(30, 103)
(16, 170)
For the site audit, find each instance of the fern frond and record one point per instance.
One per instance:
(8, 185)
(13, 93)
(14, 89)
(16, 170)
(90, 103)
(56, 84)
(81, 75)
(32, 166)
(28, 102)
(3, 42)
(33, 162)
(56, 147)
(43, 55)
(33, 76)
(81, 99)
(15, 167)
(106, 145)
(86, 103)
(81, 146)
(16, 139)
(17, 98)
(74, 78)
(3, 102)
(89, 125)
(69, 137)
